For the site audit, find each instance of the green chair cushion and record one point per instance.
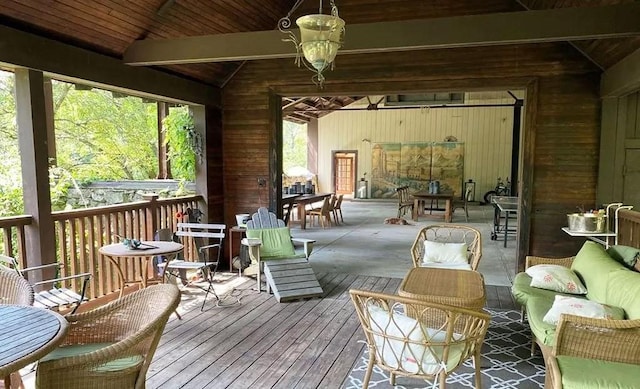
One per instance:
(583, 373)
(276, 242)
(79, 349)
(624, 292)
(537, 307)
(626, 255)
(593, 265)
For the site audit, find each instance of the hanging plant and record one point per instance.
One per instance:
(186, 147)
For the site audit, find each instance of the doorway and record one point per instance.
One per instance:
(344, 171)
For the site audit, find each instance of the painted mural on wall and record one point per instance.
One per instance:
(415, 165)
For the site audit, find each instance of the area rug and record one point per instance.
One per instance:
(506, 361)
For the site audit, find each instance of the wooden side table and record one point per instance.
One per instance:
(236, 230)
(461, 288)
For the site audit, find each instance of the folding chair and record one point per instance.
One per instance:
(54, 293)
(205, 237)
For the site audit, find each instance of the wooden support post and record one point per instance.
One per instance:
(33, 143)
(152, 214)
(164, 165)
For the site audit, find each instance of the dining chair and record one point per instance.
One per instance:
(56, 293)
(337, 209)
(323, 214)
(463, 203)
(405, 203)
(110, 346)
(414, 338)
(448, 246)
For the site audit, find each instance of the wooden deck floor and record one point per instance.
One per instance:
(261, 343)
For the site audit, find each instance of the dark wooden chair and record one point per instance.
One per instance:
(404, 201)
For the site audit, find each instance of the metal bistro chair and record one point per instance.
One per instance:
(205, 237)
(58, 292)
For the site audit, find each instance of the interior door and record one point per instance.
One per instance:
(345, 173)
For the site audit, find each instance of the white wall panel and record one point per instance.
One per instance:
(485, 131)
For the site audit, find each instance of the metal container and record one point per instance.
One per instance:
(589, 222)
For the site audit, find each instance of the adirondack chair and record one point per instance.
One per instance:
(271, 249)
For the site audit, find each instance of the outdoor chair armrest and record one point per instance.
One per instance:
(308, 245)
(584, 337)
(86, 276)
(41, 267)
(532, 261)
(209, 246)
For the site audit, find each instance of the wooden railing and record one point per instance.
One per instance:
(629, 228)
(81, 233)
(12, 239)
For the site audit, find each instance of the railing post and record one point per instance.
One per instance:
(152, 214)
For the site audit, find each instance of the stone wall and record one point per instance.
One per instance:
(101, 193)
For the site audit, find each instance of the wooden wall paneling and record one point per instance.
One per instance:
(214, 165)
(563, 76)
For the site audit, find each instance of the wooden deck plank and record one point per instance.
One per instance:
(237, 360)
(260, 343)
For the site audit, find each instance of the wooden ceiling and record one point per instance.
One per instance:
(110, 26)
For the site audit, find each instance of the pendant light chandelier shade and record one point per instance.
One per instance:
(321, 36)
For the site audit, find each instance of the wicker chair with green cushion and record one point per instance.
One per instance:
(429, 343)
(110, 346)
(268, 238)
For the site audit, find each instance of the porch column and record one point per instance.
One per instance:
(32, 141)
(164, 166)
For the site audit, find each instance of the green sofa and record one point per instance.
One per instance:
(610, 348)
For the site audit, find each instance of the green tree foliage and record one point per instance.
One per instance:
(183, 143)
(10, 174)
(294, 145)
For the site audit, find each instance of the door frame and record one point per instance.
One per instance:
(333, 168)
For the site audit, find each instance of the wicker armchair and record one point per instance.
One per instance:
(588, 339)
(418, 346)
(14, 289)
(110, 346)
(448, 233)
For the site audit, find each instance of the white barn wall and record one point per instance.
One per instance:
(485, 131)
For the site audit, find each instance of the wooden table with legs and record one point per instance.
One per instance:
(302, 201)
(420, 198)
(28, 334)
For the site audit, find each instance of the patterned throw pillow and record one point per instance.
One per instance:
(557, 278)
(580, 307)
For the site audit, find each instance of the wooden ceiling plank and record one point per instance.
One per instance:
(621, 78)
(460, 31)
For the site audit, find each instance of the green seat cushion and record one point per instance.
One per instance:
(276, 242)
(624, 292)
(79, 349)
(522, 290)
(593, 265)
(537, 307)
(583, 373)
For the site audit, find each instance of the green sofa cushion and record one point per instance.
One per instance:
(583, 373)
(276, 242)
(593, 265)
(537, 307)
(626, 255)
(116, 365)
(522, 290)
(624, 292)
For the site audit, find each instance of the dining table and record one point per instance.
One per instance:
(28, 334)
(302, 201)
(419, 199)
(118, 252)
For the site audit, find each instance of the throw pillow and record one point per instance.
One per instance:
(440, 252)
(557, 278)
(626, 255)
(580, 307)
(276, 242)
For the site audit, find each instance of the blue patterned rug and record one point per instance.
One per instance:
(506, 361)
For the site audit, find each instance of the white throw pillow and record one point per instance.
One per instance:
(579, 307)
(440, 252)
(557, 278)
(404, 355)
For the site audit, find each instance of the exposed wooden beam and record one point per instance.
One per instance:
(622, 78)
(549, 25)
(69, 63)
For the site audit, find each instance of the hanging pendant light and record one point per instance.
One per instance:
(321, 36)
